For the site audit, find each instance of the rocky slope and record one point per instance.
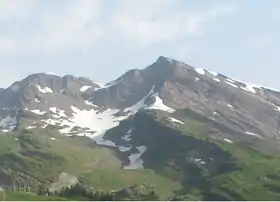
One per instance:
(79, 106)
(189, 126)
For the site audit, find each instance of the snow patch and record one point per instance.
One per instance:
(130, 131)
(57, 112)
(37, 100)
(213, 73)
(140, 104)
(135, 161)
(52, 138)
(8, 124)
(216, 79)
(44, 89)
(277, 108)
(52, 73)
(227, 140)
(200, 71)
(159, 105)
(30, 127)
(53, 109)
(85, 88)
(6, 130)
(230, 106)
(37, 111)
(196, 79)
(231, 84)
(124, 149)
(249, 88)
(175, 120)
(126, 138)
(107, 85)
(90, 103)
(230, 80)
(102, 142)
(254, 134)
(200, 161)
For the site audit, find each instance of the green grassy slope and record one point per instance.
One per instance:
(21, 196)
(39, 157)
(243, 170)
(188, 161)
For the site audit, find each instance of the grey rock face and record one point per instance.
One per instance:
(168, 82)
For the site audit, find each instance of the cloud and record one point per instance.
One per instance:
(16, 9)
(78, 24)
(155, 21)
(71, 26)
(68, 26)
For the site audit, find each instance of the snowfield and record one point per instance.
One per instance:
(8, 124)
(44, 89)
(135, 161)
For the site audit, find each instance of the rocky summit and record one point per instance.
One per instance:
(79, 106)
(190, 132)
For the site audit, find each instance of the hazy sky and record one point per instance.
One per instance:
(101, 39)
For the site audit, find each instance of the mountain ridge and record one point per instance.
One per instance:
(166, 82)
(189, 132)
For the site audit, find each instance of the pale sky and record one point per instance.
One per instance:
(101, 39)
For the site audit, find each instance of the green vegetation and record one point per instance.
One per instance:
(37, 158)
(22, 196)
(188, 161)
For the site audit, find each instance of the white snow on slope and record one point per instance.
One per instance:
(30, 127)
(8, 124)
(213, 73)
(249, 88)
(126, 138)
(102, 142)
(37, 100)
(230, 106)
(140, 104)
(85, 88)
(107, 85)
(216, 79)
(53, 109)
(227, 140)
(254, 134)
(200, 161)
(175, 120)
(130, 131)
(277, 108)
(52, 74)
(90, 103)
(97, 122)
(58, 113)
(230, 80)
(231, 84)
(196, 79)
(159, 105)
(200, 71)
(124, 149)
(93, 123)
(135, 161)
(37, 111)
(44, 89)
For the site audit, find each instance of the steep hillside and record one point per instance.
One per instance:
(189, 133)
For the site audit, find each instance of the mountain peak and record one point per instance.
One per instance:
(163, 59)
